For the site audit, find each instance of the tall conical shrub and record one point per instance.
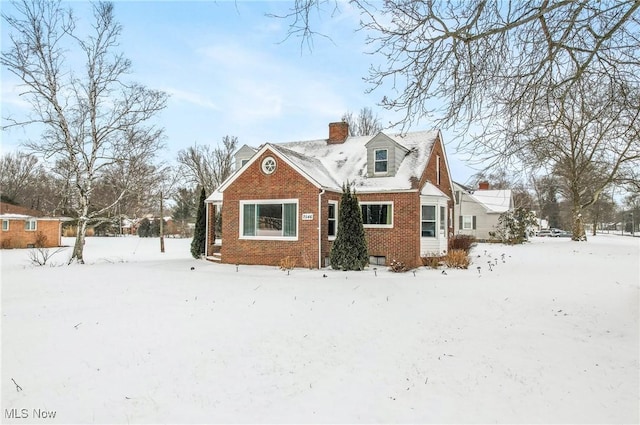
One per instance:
(349, 250)
(199, 233)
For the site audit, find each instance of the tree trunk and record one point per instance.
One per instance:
(78, 247)
(161, 225)
(578, 225)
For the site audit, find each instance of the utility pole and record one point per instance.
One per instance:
(161, 225)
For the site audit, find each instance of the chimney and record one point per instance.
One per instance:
(483, 185)
(338, 132)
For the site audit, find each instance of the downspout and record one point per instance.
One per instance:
(206, 230)
(320, 228)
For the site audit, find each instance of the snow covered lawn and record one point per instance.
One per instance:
(550, 335)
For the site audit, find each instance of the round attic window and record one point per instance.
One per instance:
(268, 165)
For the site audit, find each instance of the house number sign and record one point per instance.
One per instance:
(307, 216)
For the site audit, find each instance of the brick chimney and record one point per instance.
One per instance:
(483, 185)
(338, 132)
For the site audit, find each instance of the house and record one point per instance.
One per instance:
(477, 211)
(26, 228)
(283, 200)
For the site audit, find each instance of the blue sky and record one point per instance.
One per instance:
(230, 71)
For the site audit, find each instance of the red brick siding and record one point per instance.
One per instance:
(284, 183)
(211, 214)
(430, 174)
(402, 242)
(18, 237)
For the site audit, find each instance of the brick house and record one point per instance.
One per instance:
(283, 200)
(25, 228)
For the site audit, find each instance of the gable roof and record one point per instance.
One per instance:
(348, 161)
(329, 166)
(495, 201)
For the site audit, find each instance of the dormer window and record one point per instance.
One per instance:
(381, 164)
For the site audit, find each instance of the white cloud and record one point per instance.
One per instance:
(193, 98)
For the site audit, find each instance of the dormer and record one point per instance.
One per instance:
(384, 156)
(243, 155)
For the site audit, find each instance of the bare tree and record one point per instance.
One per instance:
(17, 172)
(206, 167)
(365, 124)
(93, 119)
(497, 68)
(584, 138)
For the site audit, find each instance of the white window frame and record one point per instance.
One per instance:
(5, 225)
(376, 161)
(335, 220)
(263, 202)
(434, 221)
(269, 165)
(467, 225)
(378, 226)
(31, 225)
(438, 170)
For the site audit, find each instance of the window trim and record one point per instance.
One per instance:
(335, 219)
(470, 227)
(434, 221)
(376, 161)
(31, 228)
(268, 202)
(268, 168)
(438, 180)
(378, 226)
(5, 229)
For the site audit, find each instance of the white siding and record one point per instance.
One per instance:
(439, 244)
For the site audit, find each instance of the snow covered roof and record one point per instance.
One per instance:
(334, 164)
(330, 165)
(11, 216)
(495, 201)
(430, 189)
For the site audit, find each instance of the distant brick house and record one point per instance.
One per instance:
(283, 199)
(477, 210)
(25, 228)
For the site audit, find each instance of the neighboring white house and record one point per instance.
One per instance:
(477, 211)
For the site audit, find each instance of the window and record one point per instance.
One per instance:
(428, 221)
(268, 165)
(438, 170)
(243, 162)
(30, 224)
(269, 219)
(377, 215)
(442, 219)
(380, 161)
(332, 217)
(5, 225)
(468, 222)
(377, 260)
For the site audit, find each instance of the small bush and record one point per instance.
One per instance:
(457, 259)
(6, 243)
(398, 267)
(433, 262)
(40, 256)
(464, 242)
(41, 240)
(287, 263)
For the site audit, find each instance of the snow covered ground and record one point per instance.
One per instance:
(549, 335)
